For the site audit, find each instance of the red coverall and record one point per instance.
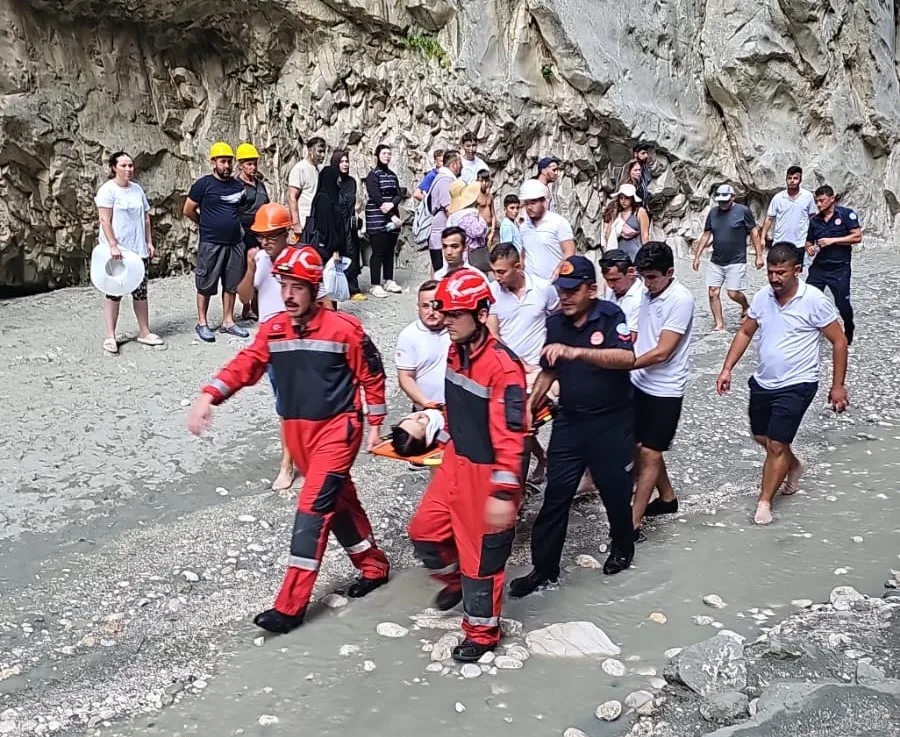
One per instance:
(318, 371)
(488, 424)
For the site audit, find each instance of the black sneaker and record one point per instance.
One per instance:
(447, 598)
(470, 652)
(639, 536)
(274, 621)
(658, 507)
(525, 585)
(365, 586)
(617, 562)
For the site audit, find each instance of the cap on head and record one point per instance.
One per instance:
(724, 192)
(247, 151)
(464, 289)
(575, 271)
(545, 161)
(627, 190)
(271, 217)
(533, 189)
(220, 150)
(300, 263)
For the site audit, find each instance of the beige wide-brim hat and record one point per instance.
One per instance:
(628, 190)
(464, 197)
(113, 276)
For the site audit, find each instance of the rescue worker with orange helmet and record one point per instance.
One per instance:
(320, 360)
(464, 528)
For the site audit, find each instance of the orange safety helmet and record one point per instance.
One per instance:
(464, 289)
(299, 263)
(271, 217)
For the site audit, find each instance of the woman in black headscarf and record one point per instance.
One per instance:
(340, 160)
(325, 225)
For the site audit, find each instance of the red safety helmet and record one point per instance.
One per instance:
(299, 263)
(464, 289)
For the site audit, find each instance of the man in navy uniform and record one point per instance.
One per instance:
(832, 234)
(589, 351)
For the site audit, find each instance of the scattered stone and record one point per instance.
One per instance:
(190, 576)
(658, 683)
(259, 641)
(703, 620)
(857, 538)
(802, 603)
(221, 491)
(334, 601)
(246, 519)
(672, 652)
(346, 650)
(391, 629)
(645, 670)
(641, 702)
(711, 666)
(507, 662)
(658, 617)
(511, 627)
(843, 597)
(715, 601)
(613, 667)
(487, 658)
(725, 708)
(368, 666)
(518, 652)
(868, 674)
(571, 640)
(443, 648)
(609, 711)
(470, 670)
(267, 720)
(434, 668)
(460, 707)
(587, 561)
(573, 732)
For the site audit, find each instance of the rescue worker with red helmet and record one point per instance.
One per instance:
(320, 360)
(464, 528)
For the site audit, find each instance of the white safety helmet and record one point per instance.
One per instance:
(533, 189)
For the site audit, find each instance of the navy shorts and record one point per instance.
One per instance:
(271, 373)
(655, 420)
(777, 413)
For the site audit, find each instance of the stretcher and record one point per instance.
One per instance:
(433, 457)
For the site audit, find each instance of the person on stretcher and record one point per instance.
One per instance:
(417, 433)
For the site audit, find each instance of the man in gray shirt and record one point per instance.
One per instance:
(728, 225)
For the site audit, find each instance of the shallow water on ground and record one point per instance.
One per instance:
(841, 530)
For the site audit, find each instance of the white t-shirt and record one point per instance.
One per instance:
(629, 303)
(470, 169)
(792, 216)
(442, 272)
(305, 177)
(424, 352)
(523, 321)
(267, 287)
(672, 310)
(789, 336)
(129, 205)
(541, 243)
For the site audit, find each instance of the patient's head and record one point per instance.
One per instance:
(408, 437)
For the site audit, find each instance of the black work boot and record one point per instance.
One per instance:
(470, 652)
(618, 561)
(447, 598)
(659, 506)
(525, 585)
(274, 621)
(365, 586)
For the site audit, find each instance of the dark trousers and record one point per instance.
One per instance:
(603, 444)
(384, 245)
(353, 271)
(837, 278)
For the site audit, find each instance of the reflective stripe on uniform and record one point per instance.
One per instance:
(221, 387)
(452, 568)
(469, 385)
(376, 409)
(360, 547)
(483, 621)
(504, 477)
(306, 344)
(307, 564)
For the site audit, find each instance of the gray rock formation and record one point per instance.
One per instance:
(725, 90)
(713, 666)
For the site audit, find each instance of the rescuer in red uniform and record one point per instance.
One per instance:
(320, 360)
(464, 528)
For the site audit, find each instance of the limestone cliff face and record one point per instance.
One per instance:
(724, 89)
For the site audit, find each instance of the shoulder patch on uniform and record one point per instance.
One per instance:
(372, 356)
(514, 407)
(852, 215)
(623, 331)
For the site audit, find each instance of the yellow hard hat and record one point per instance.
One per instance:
(220, 149)
(247, 151)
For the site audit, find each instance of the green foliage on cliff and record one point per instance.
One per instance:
(428, 46)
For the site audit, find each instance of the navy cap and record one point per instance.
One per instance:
(575, 271)
(545, 161)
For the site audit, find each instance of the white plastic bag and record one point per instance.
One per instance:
(335, 281)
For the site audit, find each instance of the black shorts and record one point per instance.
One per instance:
(139, 294)
(655, 420)
(219, 262)
(777, 413)
(437, 258)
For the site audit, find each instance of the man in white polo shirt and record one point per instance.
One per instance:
(790, 316)
(421, 354)
(547, 238)
(453, 247)
(623, 286)
(660, 375)
(789, 211)
(522, 303)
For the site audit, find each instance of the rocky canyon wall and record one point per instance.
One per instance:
(725, 90)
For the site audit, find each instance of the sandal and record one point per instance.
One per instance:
(110, 345)
(150, 339)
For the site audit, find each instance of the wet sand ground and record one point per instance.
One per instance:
(133, 555)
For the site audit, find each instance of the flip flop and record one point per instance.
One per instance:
(150, 339)
(110, 346)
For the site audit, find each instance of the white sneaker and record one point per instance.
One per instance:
(378, 291)
(392, 286)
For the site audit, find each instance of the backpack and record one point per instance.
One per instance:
(423, 217)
